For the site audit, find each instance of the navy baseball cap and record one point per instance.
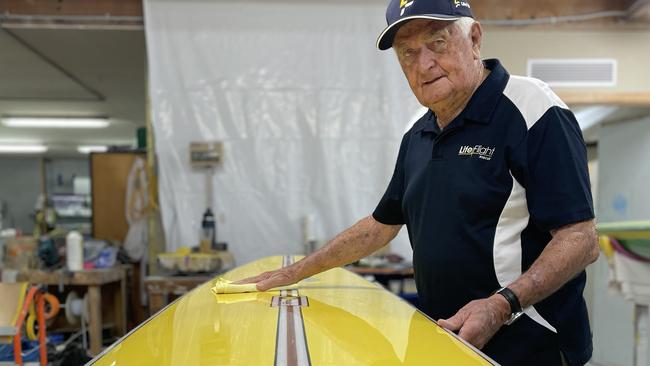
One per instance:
(401, 11)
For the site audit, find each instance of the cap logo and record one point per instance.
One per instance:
(458, 3)
(403, 4)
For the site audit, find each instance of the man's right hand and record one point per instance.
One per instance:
(354, 243)
(271, 279)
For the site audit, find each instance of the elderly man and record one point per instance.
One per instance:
(493, 188)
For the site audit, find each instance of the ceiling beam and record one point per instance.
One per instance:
(515, 9)
(72, 7)
(629, 99)
(578, 14)
(640, 11)
(102, 14)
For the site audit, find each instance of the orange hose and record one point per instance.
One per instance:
(55, 306)
(40, 313)
(40, 299)
(32, 317)
(18, 356)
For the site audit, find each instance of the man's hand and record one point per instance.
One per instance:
(271, 279)
(479, 320)
(354, 243)
(572, 248)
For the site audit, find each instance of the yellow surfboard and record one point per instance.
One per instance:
(333, 318)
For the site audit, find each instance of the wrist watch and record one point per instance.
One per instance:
(515, 306)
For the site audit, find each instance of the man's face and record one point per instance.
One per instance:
(436, 58)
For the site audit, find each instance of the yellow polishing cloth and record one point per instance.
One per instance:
(223, 286)
(263, 297)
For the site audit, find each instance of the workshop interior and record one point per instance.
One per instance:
(155, 152)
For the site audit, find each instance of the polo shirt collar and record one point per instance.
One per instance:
(430, 124)
(482, 104)
(485, 98)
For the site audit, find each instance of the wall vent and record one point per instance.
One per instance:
(576, 73)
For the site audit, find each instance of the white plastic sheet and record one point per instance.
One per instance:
(311, 116)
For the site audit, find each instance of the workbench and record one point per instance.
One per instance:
(385, 274)
(111, 280)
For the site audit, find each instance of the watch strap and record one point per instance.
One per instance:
(515, 305)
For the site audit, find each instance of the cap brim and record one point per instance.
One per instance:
(385, 39)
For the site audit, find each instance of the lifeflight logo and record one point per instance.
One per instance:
(482, 152)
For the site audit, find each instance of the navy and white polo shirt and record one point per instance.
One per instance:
(479, 199)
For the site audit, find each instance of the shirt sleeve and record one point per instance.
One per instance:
(557, 184)
(389, 209)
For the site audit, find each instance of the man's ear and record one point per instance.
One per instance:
(476, 36)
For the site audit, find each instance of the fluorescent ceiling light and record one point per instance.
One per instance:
(22, 149)
(55, 122)
(87, 149)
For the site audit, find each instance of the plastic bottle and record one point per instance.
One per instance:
(74, 251)
(209, 232)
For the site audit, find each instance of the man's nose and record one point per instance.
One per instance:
(426, 59)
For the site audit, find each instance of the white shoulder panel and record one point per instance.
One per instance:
(532, 97)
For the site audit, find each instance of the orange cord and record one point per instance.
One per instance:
(40, 313)
(39, 298)
(18, 355)
(55, 306)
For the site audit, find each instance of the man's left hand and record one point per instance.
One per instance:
(477, 321)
